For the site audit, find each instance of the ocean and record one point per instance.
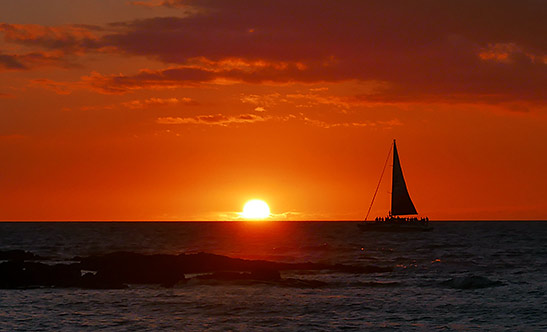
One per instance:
(462, 276)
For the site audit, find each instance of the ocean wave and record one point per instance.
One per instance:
(288, 282)
(471, 282)
(386, 284)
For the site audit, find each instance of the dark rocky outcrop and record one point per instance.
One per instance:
(117, 269)
(133, 268)
(18, 255)
(98, 281)
(19, 274)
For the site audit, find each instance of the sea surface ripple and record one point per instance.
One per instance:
(462, 276)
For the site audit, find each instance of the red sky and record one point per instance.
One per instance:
(184, 110)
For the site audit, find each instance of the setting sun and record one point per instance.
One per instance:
(256, 209)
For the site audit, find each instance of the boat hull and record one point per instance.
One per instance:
(394, 227)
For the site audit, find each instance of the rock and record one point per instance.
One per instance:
(18, 255)
(133, 268)
(225, 276)
(265, 274)
(116, 270)
(18, 274)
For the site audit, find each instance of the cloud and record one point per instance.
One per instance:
(193, 75)
(328, 125)
(227, 120)
(371, 94)
(147, 79)
(68, 38)
(11, 62)
(500, 52)
(31, 60)
(60, 88)
(155, 102)
(260, 29)
(50, 46)
(139, 104)
(264, 101)
(213, 120)
(312, 99)
(424, 50)
(159, 3)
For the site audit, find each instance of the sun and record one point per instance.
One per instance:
(256, 209)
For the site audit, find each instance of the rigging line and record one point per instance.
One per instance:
(378, 186)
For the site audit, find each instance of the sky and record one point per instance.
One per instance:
(184, 110)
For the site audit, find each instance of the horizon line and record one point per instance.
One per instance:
(254, 221)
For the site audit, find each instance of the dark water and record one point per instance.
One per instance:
(463, 276)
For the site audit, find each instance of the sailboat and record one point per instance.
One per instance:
(401, 218)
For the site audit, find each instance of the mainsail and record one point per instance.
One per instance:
(401, 204)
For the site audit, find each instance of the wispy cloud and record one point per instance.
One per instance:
(263, 100)
(193, 75)
(139, 104)
(155, 102)
(60, 88)
(159, 3)
(50, 46)
(11, 62)
(227, 120)
(213, 120)
(314, 97)
(333, 124)
(311, 99)
(69, 38)
(27, 61)
(147, 79)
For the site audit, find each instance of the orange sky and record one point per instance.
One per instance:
(184, 110)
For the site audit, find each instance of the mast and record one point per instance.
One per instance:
(401, 204)
(379, 181)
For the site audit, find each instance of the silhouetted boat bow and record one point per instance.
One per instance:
(402, 217)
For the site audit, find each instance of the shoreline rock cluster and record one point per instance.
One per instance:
(116, 270)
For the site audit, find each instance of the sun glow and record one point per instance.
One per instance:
(256, 209)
